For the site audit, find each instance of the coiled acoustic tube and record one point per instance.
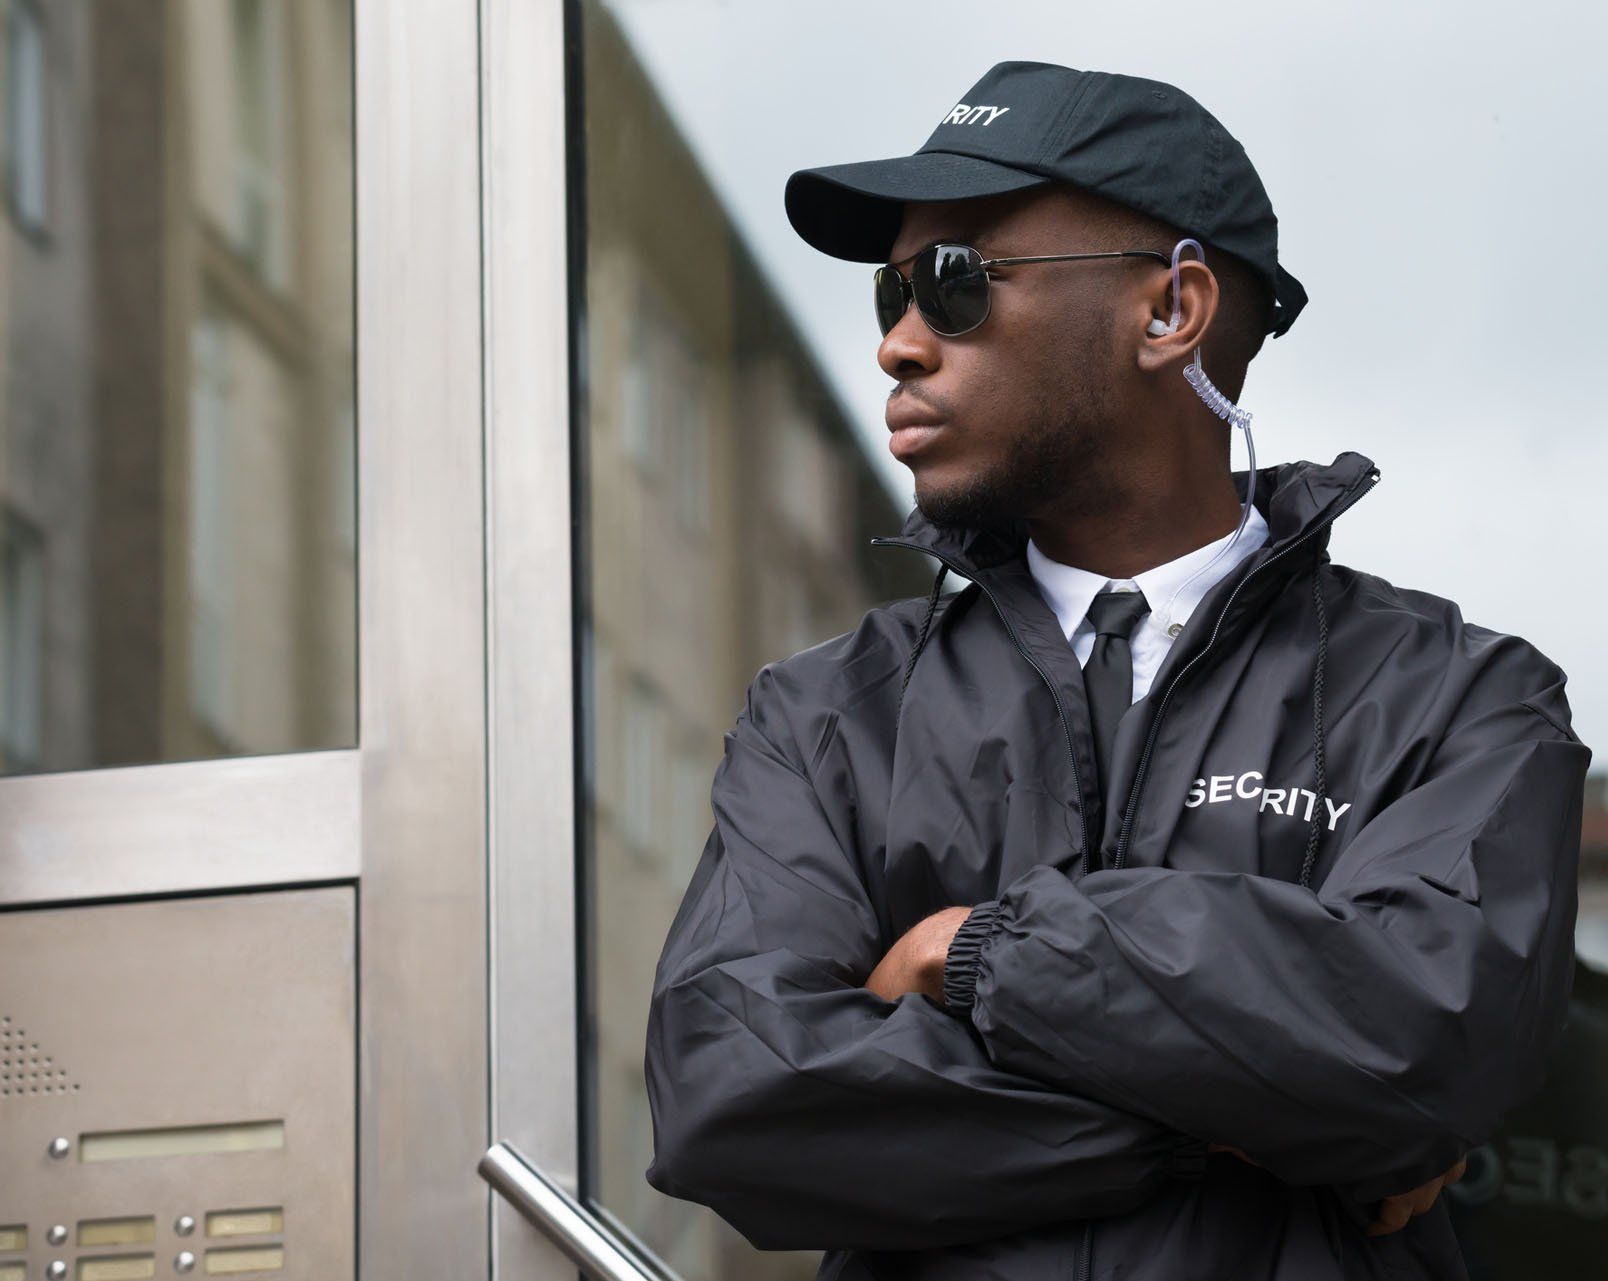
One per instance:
(1225, 409)
(1218, 403)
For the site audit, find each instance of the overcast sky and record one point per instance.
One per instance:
(1438, 174)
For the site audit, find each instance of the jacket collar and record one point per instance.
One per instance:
(1171, 589)
(1292, 497)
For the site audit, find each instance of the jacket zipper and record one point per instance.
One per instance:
(1071, 756)
(1351, 496)
(1066, 724)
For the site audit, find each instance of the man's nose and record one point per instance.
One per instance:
(908, 347)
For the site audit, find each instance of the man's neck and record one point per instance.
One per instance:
(1149, 529)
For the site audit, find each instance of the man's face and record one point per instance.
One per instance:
(1028, 403)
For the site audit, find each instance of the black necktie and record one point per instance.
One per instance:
(1108, 675)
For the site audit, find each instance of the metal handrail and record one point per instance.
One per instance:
(573, 1228)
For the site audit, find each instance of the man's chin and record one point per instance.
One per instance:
(966, 505)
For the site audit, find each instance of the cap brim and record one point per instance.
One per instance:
(1289, 296)
(853, 211)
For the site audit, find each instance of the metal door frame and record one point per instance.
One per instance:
(532, 680)
(423, 1043)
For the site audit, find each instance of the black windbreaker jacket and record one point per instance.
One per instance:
(1323, 913)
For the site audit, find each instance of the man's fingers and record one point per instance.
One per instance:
(1394, 1211)
(1423, 1198)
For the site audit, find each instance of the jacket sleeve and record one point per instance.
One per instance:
(806, 1110)
(1365, 1035)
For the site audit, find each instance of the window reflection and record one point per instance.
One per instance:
(176, 347)
(1534, 1200)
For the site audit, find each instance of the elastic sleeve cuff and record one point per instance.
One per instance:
(1188, 1157)
(976, 932)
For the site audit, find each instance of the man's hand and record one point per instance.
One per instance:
(916, 962)
(1394, 1211)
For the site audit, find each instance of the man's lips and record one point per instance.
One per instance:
(913, 425)
(906, 441)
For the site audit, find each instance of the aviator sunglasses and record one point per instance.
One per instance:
(950, 284)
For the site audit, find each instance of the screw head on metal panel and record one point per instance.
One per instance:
(184, 1225)
(56, 1234)
(57, 1270)
(185, 1262)
(59, 1147)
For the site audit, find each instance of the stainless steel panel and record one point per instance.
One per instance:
(422, 673)
(201, 825)
(168, 1015)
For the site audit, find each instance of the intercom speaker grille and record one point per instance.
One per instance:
(24, 1070)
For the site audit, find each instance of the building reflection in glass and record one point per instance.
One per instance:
(177, 546)
(1534, 1200)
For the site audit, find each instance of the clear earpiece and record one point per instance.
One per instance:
(1220, 405)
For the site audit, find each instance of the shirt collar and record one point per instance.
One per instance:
(1068, 590)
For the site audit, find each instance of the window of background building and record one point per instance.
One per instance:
(260, 230)
(176, 381)
(1420, 349)
(27, 119)
(22, 618)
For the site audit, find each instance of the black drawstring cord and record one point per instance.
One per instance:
(910, 663)
(1317, 717)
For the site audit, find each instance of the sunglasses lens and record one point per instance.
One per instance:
(890, 299)
(951, 288)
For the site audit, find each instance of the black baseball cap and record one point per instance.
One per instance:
(1142, 143)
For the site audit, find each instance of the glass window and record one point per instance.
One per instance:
(26, 131)
(729, 374)
(176, 357)
(22, 625)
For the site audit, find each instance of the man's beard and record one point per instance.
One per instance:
(1058, 464)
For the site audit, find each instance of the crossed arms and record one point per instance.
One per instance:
(1398, 1013)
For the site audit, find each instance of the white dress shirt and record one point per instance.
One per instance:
(1068, 591)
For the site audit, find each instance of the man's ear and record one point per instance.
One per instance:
(1198, 300)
